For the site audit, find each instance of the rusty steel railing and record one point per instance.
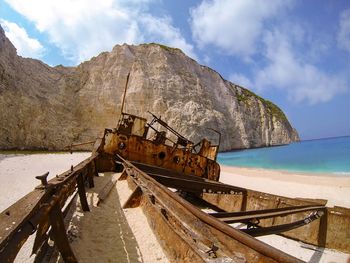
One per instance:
(41, 210)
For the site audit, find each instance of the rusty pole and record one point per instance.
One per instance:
(126, 86)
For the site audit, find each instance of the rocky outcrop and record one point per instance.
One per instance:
(43, 107)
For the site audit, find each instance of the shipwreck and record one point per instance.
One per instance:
(176, 182)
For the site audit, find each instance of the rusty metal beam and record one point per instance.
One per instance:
(22, 218)
(134, 199)
(322, 230)
(199, 202)
(82, 193)
(194, 186)
(123, 176)
(262, 231)
(41, 234)
(244, 239)
(90, 175)
(233, 217)
(150, 169)
(44, 252)
(13, 242)
(60, 236)
(41, 247)
(26, 214)
(94, 167)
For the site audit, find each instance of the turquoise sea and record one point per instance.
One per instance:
(331, 156)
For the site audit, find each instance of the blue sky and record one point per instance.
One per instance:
(295, 53)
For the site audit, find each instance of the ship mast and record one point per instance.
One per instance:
(126, 86)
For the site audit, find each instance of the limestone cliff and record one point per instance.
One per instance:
(47, 107)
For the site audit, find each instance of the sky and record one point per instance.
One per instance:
(294, 53)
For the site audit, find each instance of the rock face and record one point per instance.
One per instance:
(43, 107)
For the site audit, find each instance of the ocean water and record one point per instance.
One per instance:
(331, 156)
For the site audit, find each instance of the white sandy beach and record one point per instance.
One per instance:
(336, 189)
(109, 233)
(17, 174)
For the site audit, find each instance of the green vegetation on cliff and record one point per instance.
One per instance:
(272, 108)
(167, 48)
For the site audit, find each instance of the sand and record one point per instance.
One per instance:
(335, 189)
(109, 233)
(322, 186)
(101, 235)
(18, 171)
(150, 249)
(17, 174)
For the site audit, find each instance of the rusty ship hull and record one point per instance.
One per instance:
(197, 218)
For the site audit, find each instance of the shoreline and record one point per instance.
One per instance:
(259, 171)
(305, 173)
(321, 186)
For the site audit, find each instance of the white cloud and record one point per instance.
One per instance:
(301, 80)
(25, 45)
(84, 28)
(233, 26)
(285, 53)
(344, 30)
(241, 80)
(161, 31)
